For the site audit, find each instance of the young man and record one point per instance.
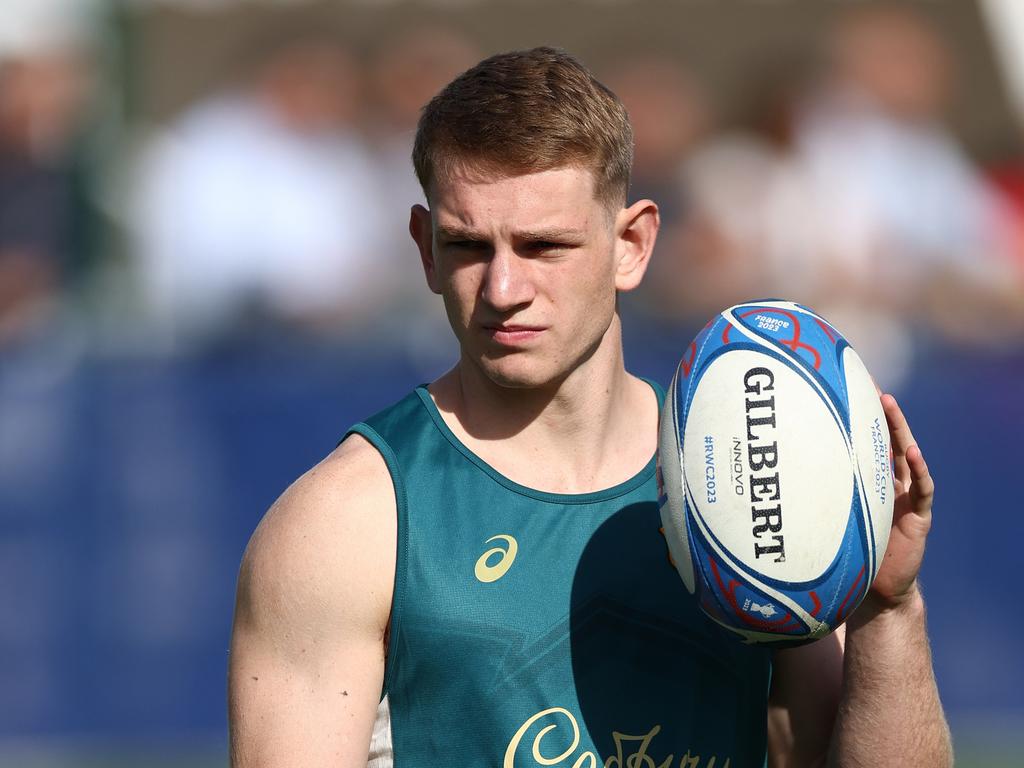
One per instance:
(486, 552)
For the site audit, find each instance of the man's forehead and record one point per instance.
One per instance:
(480, 175)
(560, 198)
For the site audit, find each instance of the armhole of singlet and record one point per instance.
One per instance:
(401, 554)
(659, 392)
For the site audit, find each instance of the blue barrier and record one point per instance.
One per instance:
(128, 489)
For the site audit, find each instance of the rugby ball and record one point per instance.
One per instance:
(775, 474)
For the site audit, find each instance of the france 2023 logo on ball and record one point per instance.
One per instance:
(775, 466)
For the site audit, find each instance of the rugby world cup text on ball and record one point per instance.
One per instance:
(881, 456)
(762, 456)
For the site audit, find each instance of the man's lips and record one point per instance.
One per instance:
(512, 333)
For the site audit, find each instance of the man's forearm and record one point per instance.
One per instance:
(890, 713)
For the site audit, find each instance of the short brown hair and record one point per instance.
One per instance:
(524, 112)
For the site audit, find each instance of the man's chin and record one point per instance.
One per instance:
(517, 374)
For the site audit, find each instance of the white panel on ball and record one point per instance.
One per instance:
(670, 475)
(812, 463)
(872, 447)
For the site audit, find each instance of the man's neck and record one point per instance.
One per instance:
(590, 431)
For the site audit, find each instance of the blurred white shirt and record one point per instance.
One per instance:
(236, 207)
(912, 191)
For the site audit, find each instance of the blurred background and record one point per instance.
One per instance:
(205, 278)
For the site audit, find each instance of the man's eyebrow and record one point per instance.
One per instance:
(457, 233)
(554, 234)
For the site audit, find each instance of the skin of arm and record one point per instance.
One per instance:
(867, 696)
(314, 597)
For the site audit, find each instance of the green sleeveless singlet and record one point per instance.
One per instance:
(544, 629)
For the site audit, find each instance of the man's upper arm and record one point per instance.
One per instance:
(314, 596)
(806, 686)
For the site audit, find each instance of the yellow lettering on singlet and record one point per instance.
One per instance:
(638, 759)
(630, 751)
(513, 745)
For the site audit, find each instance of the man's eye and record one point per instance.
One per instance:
(546, 245)
(467, 245)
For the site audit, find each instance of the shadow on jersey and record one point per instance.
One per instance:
(654, 677)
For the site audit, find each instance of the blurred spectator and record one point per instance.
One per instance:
(256, 208)
(935, 234)
(844, 190)
(669, 114)
(407, 71)
(45, 82)
(757, 224)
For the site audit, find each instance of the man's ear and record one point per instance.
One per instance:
(422, 230)
(636, 230)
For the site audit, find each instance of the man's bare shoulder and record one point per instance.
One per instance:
(324, 553)
(351, 481)
(314, 595)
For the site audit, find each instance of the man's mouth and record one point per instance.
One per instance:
(513, 333)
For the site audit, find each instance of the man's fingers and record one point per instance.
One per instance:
(922, 487)
(902, 438)
(911, 470)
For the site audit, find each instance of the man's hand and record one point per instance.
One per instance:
(890, 712)
(896, 581)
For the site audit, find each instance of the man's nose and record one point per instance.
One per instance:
(507, 283)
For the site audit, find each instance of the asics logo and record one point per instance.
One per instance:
(487, 568)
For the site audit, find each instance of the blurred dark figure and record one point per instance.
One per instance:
(406, 72)
(43, 94)
(756, 225)
(409, 69)
(256, 207)
(669, 113)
